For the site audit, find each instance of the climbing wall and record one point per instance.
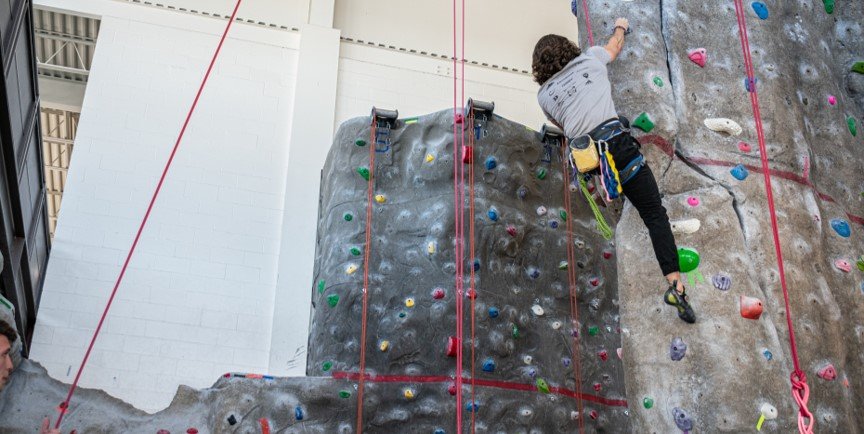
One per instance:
(718, 374)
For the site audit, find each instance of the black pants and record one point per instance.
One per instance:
(641, 190)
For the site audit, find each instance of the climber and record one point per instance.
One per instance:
(576, 95)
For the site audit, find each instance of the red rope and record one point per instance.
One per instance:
(571, 278)
(471, 253)
(373, 132)
(588, 23)
(64, 406)
(800, 390)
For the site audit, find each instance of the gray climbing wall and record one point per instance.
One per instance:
(802, 57)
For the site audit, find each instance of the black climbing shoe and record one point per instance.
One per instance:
(673, 298)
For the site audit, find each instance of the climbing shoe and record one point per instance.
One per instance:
(673, 298)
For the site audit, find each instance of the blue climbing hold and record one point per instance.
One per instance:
(767, 353)
(471, 407)
(493, 214)
(677, 349)
(682, 420)
(533, 272)
(739, 172)
(489, 365)
(574, 7)
(761, 10)
(493, 312)
(298, 413)
(439, 431)
(491, 163)
(553, 224)
(750, 85)
(476, 264)
(841, 227)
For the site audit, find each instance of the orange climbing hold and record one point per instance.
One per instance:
(751, 307)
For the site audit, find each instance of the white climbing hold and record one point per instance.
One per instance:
(541, 210)
(685, 226)
(527, 360)
(723, 125)
(556, 325)
(537, 310)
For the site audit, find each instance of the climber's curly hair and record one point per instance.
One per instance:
(551, 54)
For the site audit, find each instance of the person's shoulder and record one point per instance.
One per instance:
(599, 53)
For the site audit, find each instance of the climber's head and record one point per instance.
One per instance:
(551, 54)
(7, 338)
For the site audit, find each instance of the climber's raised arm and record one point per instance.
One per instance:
(616, 42)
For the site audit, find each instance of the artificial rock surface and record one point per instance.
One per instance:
(732, 365)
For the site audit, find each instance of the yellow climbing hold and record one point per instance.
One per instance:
(430, 248)
(409, 302)
(380, 198)
(408, 393)
(351, 269)
(430, 158)
(384, 345)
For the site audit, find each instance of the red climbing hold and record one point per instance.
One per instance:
(594, 414)
(607, 254)
(191, 431)
(451, 389)
(744, 147)
(438, 294)
(472, 294)
(265, 425)
(511, 230)
(604, 356)
(597, 387)
(828, 373)
(594, 281)
(698, 56)
(163, 431)
(452, 346)
(458, 118)
(467, 154)
(751, 307)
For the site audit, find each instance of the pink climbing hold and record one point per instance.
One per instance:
(438, 294)
(843, 265)
(698, 56)
(828, 373)
(693, 201)
(744, 147)
(751, 307)
(511, 230)
(832, 100)
(594, 281)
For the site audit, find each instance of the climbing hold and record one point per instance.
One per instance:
(515, 332)
(491, 163)
(541, 173)
(829, 6)
(542, 386)
(688, 259)
(438, 293)
(360, 142)
(364, 172)
(380, 198)
(476, 264)
(620, 353)
(722, 282)
(553, 224)
(430, 247)
(430, 158)
(566, 362)
(298, 413)
(348, 217)
(860, 263)
(739, 172)
(493, 312)
(648, 402)
(563, 215)
(522, 192)
(693, 201)
(677, 349)
(750, 85)
(472, 294)
(344, 394)
(767, 354)
(723, 125)
(594, 415)
(682, 419)
(687, 226)
(533, 272)
(493, 214)
(537, 309)
(603, 355)
(858, 67)
(321, 286)
(744, 147)
(751, 307)
(351, 269)
(607, 254)
(761, 10)
(562, 265)
(597, 387)
(698, 56)
(467, 154)
(409, 302)
(841, 227)
(232, 420)
(556, 325)
(511, 230)
(827, 372)
(384, 345)
(354, 251)
(832, 100)
(192, 431)
(527, 359)
(452, 345)
(472, 407)
(766, 412)
(326, 366)
(643, 122)
(593, 330)
(843, 265)
(850, 121)
(332, 300)
(408, 393)
(402, 314)
(439, 431)
(658, 81)
(594, 281)
(541, 210)
(489, 365)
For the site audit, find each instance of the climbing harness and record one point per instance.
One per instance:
(800, 390)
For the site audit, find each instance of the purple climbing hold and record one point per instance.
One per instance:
(565, 361)
(682, 419)
(677, 349)
(750, 85)
(722, 282)
(739, 172)
(522, 192)
(574, 7)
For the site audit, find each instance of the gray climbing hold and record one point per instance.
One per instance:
(682, 419)
(677, 349)
(722, 282)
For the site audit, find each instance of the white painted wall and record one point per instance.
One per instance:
(222, 276)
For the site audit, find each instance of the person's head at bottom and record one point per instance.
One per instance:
(7, 338)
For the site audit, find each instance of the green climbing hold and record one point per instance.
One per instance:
(643, 122)
(562, 265)
(364, 172)
(515, 332)
(344, 394)
(360, 142)
(563, 215)
(326, 366)
(852, 128)
(541, 174)
(355, 251)
(658, 81)
(688, 259)
(542, 386)
(348, 217)
(593, 330)
(829, 6)
(648, 402)
(858, 67)
(860, 263)
(332, 300)
(321, 285)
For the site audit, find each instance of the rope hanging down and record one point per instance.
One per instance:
(800, 390)
(64, 406)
